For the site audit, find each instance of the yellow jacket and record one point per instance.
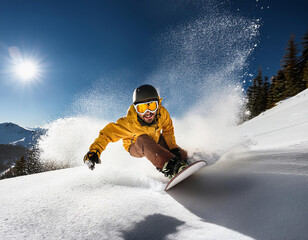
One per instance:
(129, 128)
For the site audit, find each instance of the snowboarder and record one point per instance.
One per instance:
(146, 131)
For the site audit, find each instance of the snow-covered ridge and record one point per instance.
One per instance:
(285, 125)
(13, 134)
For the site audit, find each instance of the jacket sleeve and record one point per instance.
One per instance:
(112, 132)
(168, 130)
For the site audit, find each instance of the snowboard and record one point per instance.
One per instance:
(191, 169)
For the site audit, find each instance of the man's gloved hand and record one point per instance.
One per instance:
(91, 158)
(177, 153)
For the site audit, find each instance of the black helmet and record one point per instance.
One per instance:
(145, 93)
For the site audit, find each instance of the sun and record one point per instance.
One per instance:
(27, 70)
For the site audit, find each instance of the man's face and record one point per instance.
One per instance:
(148, 117)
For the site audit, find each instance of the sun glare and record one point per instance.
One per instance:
(27, 70)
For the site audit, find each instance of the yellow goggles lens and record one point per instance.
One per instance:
(143, 107)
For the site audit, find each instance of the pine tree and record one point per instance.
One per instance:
(33, 163)
(304, 61)
(257, 95)
(265, 93)
(252, 99)
(305, 47)
(305, 74)
(270, 99)
(290, 80)
(291, 69)
(20, 167)
(260, 93)
(279, 87)
(26, 165)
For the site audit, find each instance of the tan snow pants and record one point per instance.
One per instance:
(157, 153)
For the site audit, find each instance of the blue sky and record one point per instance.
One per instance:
(77, 43)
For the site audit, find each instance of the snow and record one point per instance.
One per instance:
(14, 134)
(256, 186)
(73, 204)
(286, 125)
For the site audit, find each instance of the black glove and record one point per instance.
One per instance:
(91, 158)
(177, 153)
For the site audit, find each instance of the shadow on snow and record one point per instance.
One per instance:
(259, 204)
(163, 225)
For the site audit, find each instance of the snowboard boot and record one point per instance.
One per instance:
(180, 166)
(173, 167)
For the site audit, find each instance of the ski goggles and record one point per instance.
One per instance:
(142, 108)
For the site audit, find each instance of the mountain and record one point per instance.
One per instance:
(256, 190)
(14, 134)
(14, 142)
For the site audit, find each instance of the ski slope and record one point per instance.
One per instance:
(255, 189)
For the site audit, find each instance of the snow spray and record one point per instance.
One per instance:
(199, 77)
